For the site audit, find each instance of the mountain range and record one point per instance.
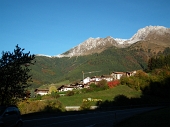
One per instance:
(97, 45)
(105, 54)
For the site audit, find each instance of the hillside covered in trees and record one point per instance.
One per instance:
(52, 70)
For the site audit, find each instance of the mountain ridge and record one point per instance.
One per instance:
(97, 45)
(112, 57)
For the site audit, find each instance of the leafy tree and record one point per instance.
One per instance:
(14, 75)
(103, 84)
(52, 89)
(138, 81)
(55, 94)
(124, 80)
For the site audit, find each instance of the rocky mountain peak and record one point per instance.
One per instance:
(144, 32)
(91, 45)
(97, 45)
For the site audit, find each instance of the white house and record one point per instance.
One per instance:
(108, 78)
(69, 88)
(117, 75)
(95, 79)
(41, 91)
(86, 80)
(65, 88)
(132, 73)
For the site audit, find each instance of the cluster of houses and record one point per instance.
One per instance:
(85, 83)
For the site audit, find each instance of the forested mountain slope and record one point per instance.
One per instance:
(102, 55)
(51, 70)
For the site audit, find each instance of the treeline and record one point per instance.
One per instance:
(156, 81)
(159, 62)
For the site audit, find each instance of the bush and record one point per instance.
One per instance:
(55, 95)
(70, 93)
(103, 84)
(31, 106)
(137, 82)
(124, 80)
(38, 97)
(85, 105)
(113, 83)
(53, 106)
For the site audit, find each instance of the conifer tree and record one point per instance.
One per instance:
(14, 75)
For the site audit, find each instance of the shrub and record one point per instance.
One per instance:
(137, 82)
(27, 107)
(53, 106)
(124, 80)
(31, 106)
(38, 97)
(85, 105)
(113, 83)
(55, 95)
(70, 93)
(102, 85)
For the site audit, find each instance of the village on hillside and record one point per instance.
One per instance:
(112, 80)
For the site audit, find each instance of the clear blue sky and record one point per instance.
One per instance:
(52, 27)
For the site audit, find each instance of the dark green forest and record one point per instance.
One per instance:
(159, 61)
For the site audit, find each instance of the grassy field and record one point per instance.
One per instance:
(157, 118)
(76, 100)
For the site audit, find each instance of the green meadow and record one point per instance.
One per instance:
(109, 94)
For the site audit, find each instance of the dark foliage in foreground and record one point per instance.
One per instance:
(14, 75)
